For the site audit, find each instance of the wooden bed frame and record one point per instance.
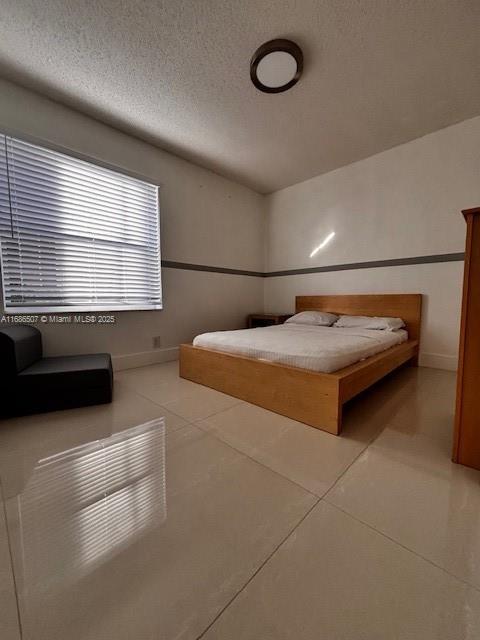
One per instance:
(307, 396)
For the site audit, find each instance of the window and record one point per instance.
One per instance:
(75, 236)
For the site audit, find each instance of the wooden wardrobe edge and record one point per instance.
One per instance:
(469, 215)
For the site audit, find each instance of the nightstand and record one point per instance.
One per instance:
(265, 319)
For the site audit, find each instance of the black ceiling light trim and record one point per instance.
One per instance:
(272, 46)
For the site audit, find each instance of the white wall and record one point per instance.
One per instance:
(402, 203)
(205, 219)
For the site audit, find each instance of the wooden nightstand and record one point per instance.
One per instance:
(265, 319)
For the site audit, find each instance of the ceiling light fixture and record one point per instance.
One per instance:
(325, 242)
(276, 66)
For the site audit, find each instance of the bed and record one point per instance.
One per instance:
(317, 348)
(277, 368)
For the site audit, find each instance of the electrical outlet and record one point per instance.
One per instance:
(157, 342)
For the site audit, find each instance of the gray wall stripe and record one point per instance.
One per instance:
(395, 262)
(374, 264)
(203, 267)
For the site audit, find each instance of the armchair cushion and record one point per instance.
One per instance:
(68, 372)
(63, 383)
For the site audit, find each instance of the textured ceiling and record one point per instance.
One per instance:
(176, 73)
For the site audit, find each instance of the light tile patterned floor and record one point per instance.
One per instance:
(274, 530)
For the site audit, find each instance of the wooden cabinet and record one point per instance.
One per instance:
(467, 419)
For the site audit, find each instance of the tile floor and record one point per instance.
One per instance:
(179, 512)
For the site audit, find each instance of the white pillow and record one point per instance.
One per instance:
(319, 318)
(365, 322)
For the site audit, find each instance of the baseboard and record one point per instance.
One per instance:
(144, 358)
(438, 361)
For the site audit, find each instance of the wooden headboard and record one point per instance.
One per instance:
(407, 306)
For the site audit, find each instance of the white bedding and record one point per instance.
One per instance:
(324, 349)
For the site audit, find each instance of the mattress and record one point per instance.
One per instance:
(323, 349)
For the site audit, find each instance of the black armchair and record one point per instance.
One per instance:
(33, 384)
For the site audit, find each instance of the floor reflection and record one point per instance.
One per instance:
(83, 506)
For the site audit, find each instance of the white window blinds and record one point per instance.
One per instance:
(75, 236)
